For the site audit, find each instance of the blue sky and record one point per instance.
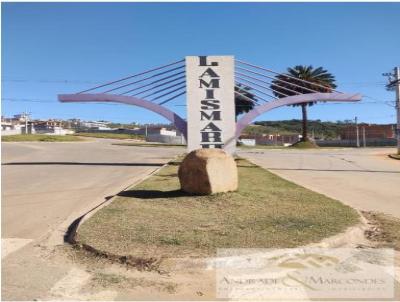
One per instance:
(52, 48)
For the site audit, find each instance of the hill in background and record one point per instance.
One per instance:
(316, 128)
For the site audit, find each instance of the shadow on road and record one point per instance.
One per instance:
(82, 164)
(153, 194)
(333, 170)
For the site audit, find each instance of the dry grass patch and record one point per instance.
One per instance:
(119, 281)
(155, 218)
(39, 138)
(110, 135)
(386, 230)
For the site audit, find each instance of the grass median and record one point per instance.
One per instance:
(39, 138)
(156, 219)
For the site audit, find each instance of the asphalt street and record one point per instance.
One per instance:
(365, 179)
(46, 186)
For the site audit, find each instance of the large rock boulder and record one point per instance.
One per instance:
(208, 171)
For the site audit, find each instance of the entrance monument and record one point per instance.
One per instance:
(210, 87)
(209, 84)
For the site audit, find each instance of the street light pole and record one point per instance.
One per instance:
(397, 84)
(394, 83)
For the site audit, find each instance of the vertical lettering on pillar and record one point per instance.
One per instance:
(210, 103)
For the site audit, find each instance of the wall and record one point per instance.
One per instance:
(167, 139)
(11, 132)
(248, 142)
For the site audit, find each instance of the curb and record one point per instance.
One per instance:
(394, 156)
(70, 235)
(66, 232)
(353, 236)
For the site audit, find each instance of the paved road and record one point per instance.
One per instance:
(43, 183)
(45, 186)
(362, 178)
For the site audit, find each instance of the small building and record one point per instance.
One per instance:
(247, 141)
(155, 130)
(94, 125)
(273, 139)
(49, 127)
(13, 126)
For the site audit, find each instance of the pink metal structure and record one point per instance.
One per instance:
(129, 100)
(153, 88)
(291, 100)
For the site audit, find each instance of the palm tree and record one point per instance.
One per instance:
(243, 104)
(320, 76)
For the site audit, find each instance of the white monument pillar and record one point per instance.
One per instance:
(210, 94)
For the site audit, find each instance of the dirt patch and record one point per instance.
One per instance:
(384, 231)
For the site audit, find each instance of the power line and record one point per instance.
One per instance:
(29, 100)
(51, 81)
(359, 103)
(16, 100)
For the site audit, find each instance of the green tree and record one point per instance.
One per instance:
(242, 102)
(319, 76)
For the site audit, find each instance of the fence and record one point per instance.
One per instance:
(370, 142)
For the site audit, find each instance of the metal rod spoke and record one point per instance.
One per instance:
(145, 79)
(169, 92)
(171, 98)
(154, 82)
(164, 89)
(159, 85)
(274, 72)
(132, 76)
(277, 79)
(257, 79)
(256, 95)
(246, 97)
(268, 88)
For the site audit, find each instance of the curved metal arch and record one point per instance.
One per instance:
(179, 122)
(291, 100)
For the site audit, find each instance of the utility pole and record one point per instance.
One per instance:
(394, 84)
(357, 133)
(397, 84)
